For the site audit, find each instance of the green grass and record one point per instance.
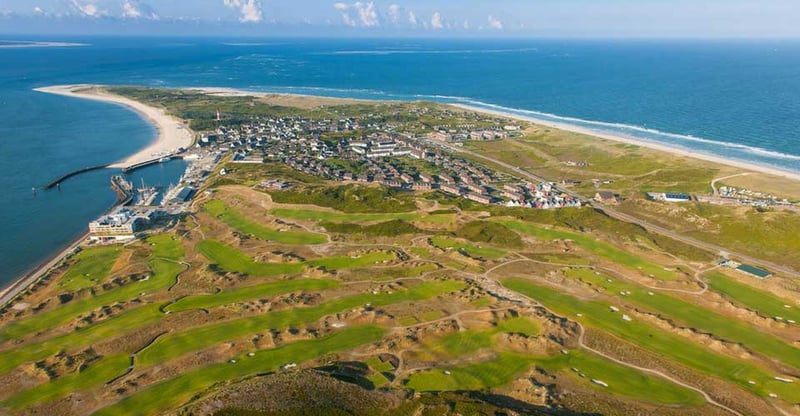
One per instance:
(621, 380)
(459, 343)
(96, 373)
(488, 374)
(168, 394)
(602, 249)
(112, 327)
(393, 228)
(390, 273)
(770, 236)
(91, 267)
(179, 343)
(596, 314)
(252, 292)
(761, 301)
(349, 198)
(162, 262)
(231, 259)
(491, 233)
(239, 222)
(690, 315)
(352, 262)
(319, 215)
(438, 219)
(468, 249)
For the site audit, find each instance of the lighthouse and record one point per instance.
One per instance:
(219, 117)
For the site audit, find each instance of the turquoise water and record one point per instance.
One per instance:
(733, 99)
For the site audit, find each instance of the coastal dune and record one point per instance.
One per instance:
(172, 133)
(642, 143)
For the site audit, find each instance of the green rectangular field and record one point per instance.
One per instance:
(240, 223)
(598, 315)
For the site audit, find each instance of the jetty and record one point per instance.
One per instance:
(66, 176)
(162, 159)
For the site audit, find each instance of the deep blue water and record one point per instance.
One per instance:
(735, 99)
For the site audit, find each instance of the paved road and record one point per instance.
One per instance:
(638, 221)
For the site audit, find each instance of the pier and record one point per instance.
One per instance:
(123, 189)
(131, 168)
(62, 178)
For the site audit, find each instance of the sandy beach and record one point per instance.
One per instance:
(561, 126)
(172, 134)
(643, 143)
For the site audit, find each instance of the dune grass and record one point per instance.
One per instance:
(690, 315)
(597, 314)
(460, 343)
(96, 373)
(336, 216)
(251, 292)
(235, 220)
(621, 380)
(91, 267)
(229, 258)
(600, 248)
(752, 298)
(179, 343)
(488, 374)
(471, 250)
(114, 326)
(168, 394)
(163, 264)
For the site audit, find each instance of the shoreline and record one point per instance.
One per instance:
(171, 133)
(739, 164)
(165, 141)
(652, 145)
(22, 283)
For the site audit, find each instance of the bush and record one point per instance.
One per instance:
(489, 232)
(349, 198)
(384, 229)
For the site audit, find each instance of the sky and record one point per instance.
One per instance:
(420, 18)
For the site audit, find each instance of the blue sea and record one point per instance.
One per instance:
(738, 99)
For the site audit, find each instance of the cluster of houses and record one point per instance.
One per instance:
(752, 198)
(540, 196)
(374, 154)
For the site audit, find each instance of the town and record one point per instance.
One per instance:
(378, 154)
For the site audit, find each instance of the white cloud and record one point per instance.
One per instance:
(130, 11)
(134, 9)
(37, 9)
(495, 23)
(87, 8)
(365, 14)
(368, 14)
(394, 13)
(436, 21)
(250, 10)
(412, 18)
(344, 10)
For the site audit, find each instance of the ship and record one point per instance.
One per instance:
(164, 159)
(146, 195)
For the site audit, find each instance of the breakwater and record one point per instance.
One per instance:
(66, 176)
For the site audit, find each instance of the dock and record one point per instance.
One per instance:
(131, 168)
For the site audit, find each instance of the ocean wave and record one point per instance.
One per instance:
(616, 127)
(428, 52)
(633, 131)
